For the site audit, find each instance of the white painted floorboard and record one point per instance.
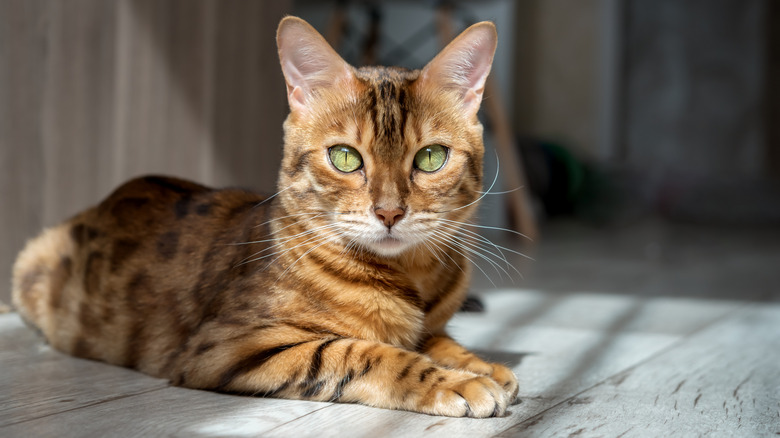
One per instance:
(722, 381)
(588, 364)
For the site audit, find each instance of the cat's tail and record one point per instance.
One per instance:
(42, 275)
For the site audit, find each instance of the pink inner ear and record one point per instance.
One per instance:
(472, 99)
(465, 64)
(296, 96)
(308, 61)
(292, 73)
(481, 59)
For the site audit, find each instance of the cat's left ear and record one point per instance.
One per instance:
(308, 61)
(464, 65)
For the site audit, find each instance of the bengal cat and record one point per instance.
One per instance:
(338, 288)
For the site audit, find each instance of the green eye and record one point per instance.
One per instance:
(430, 158)
(345, 158)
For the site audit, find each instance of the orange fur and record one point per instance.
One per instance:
(310, 294)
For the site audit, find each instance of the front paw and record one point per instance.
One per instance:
(502, 375)
(473, 396)
(506, 379)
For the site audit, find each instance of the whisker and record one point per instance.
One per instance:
(498, 268)
(457, 265)
(495, 178)
(349, 246)
(485, 245)
(486, 240)
(316, 213)
(288, 216)
(486, 227)
(279, 230)
(271, 197)
(299, 221)
(302, 256)
(312, 240)
(282, 242)
(435, 253)
(477, 238)
(505, 192)
(445, 243)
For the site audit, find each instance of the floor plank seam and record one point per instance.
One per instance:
(296, 419)
(535, 418)
(90, 405)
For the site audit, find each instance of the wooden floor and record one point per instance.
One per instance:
(590, 363)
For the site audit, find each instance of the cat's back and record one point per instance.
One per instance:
(141, 264)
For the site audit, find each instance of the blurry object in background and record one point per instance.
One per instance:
(567, 73)
(472, 304)
(772, 97)
(663, 108)
(555, 176)
(567, 184)
(694, 90)
(699, 79)
(739, 201)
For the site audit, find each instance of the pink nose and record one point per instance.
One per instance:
(389, 217)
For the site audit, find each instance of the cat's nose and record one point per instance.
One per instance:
(389, 217)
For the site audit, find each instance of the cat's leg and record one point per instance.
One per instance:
(443, 350)
(344, 370)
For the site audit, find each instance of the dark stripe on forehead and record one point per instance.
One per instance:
(387, 90)
(402, 104)
(388, 106)
(386, 103)
(387, 121)
(372, 108)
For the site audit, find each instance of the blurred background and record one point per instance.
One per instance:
(643, 136)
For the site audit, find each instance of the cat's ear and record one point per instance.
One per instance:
(308, 61)
(464, 64)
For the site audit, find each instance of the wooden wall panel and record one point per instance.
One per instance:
(22, 50)
(694, 89)
(77, 104)
(559, 62)
(245, 65)
(161, 82)
(93, 92)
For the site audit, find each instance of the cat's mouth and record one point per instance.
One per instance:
(389, 246)
(390, 242)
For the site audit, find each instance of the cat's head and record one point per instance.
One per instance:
(383, 158)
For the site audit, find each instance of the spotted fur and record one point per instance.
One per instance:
(308, 294)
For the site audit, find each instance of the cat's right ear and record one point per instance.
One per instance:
(308, 62)
(463, 66)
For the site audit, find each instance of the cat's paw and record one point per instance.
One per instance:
(476, 396)
(502, 375)
(505, 378)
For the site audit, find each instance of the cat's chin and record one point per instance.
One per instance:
(389, 247)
